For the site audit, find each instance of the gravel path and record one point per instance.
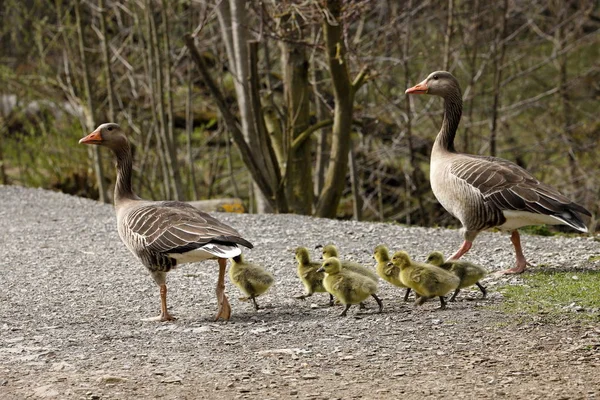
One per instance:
(72, 300)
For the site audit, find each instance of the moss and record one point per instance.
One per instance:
(555, 295)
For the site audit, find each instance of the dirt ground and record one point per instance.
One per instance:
(72, 300)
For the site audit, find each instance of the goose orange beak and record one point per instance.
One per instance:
(93, 138)
(420, 88)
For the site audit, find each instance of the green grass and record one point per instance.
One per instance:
(555, 295)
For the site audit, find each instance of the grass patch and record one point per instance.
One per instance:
(555, 295)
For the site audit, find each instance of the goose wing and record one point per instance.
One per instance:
(177, 227)
(510, 187)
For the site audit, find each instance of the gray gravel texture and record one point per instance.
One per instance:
(72, 300)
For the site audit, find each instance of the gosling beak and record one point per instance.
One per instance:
(420, 88)
(321, 269)
(93, 138)
(390, 264)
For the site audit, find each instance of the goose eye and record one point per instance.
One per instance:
(435, 77)
(110, 128)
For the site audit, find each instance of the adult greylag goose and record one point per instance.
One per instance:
(485, 192)
(164, 234)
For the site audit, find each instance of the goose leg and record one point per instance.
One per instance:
(224, 307)
(164, 313)
(466, 246)
(515, 238)
(160, 278)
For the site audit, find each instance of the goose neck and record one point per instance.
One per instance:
(123, 187)
(452, 114)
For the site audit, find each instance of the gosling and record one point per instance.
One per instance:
(389, 273)
(307, 272)
(331, 251)
(251, 279)
(468, 273)
(349, 287)
(426, 280)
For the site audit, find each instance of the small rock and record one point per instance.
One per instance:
(309, 376)
(172, 379)
(244, 390)
(46, 392)
(293, 392)
(111, 379)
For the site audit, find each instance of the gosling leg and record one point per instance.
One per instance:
(343, 314)
(421, 300)
(443, 302)
(483, 289)
(255, 303)
(406, 294)
(330, 300)
(304, 296)
(378, 300)
(453, 298)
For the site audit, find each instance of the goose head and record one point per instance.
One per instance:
(109, 135)
(331, 266)
(438, 83)
(435, 258)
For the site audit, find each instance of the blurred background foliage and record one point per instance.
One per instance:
(529, 70)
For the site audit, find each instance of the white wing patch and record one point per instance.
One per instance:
(206, 252)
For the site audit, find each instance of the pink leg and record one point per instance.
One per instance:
(224, 307)
(466, 246)
(521, 262)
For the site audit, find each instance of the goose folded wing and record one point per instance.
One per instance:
(175, 227)
(510, 187)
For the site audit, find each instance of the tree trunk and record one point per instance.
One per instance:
(90, 120)
(448, 34)
(298, 171)
(233, 21)
(343, 91)
(474, 45)
(566, 131)
(499, 48)
(150, 61)
(248, 157)
(106, 57)
(357, 202)
(168, 146)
